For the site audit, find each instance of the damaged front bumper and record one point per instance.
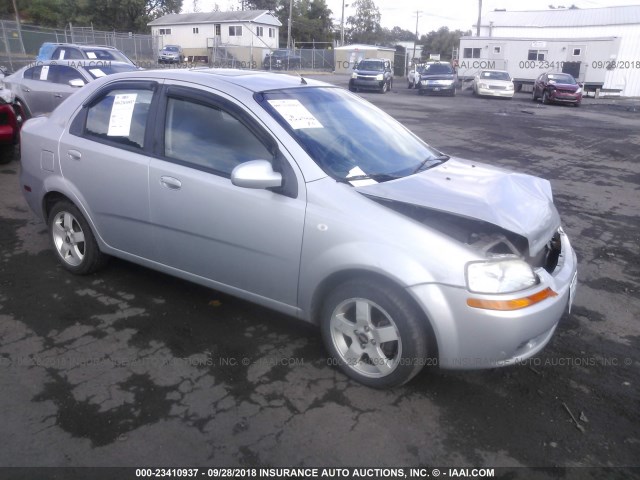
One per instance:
(475, 338)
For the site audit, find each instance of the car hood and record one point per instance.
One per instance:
(565, 86)
(369, 72)
(437, 76)
(495, 82)
(520, 203)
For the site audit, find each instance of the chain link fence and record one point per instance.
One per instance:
(19, 44)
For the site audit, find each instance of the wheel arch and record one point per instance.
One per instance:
(326, 286)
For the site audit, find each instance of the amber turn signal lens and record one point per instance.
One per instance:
(515, 304)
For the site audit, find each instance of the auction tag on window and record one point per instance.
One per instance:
(295, 114)
(121, 114)
(91, 55)
(97, 72)
(357, 172)
(44, 73)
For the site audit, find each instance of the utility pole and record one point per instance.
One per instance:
(479, 18)
(416, 38)
(289, 28)
(342, 27)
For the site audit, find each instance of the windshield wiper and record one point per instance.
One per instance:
(378, 177)
(431, 162)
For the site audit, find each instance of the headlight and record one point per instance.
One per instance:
(484, 85)
(354, 75)
(510, 86)
(380, 77)
(579, 90)
(502, 276)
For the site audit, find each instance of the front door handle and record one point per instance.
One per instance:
(171, 183)
(74, 155)
(57, 95)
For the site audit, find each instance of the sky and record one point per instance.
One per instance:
(455, 14)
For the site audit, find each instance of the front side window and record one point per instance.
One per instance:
(120, 116)
(208, 137)
(235, 31)
(349, 137)
(259, 31)
(165, 31)
(272, 32)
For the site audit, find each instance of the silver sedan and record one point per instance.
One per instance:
(42, 86)
(304, 198)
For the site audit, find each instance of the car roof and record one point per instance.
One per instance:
(255, 81)
(107, 47)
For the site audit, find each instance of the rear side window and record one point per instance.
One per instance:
(120, 116)
(208, 137)
(67, 53)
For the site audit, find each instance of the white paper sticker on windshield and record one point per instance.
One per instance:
(96, 72)
(121, 114)
(44, 73)
(91, 55)
(61, 55)
(356, 172)
(295, 114)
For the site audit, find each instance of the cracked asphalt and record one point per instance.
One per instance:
(129, 367)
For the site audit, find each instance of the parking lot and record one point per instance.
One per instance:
(128, 367)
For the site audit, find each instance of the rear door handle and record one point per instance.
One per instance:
(74, 155)
(171, 183)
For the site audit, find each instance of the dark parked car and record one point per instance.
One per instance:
(438, 78)
(557, 88)
(282, 60)
(70, 51)
(372, 74)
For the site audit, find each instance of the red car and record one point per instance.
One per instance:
(557, 88)
(11, 118)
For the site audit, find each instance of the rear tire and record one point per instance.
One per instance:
(73, 241)
(7, 153)
(374, 333)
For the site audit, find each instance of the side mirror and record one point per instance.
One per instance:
(255, 174)
(76, 82)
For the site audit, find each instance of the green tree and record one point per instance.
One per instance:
(441, 42)
(364, 26)
(311, 21)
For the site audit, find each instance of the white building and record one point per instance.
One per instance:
(604, 41)
(244, 34)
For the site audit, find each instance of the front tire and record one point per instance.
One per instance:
(545, 98)
(374, 333)
(534, 97)
(73, 240)
(384, 88)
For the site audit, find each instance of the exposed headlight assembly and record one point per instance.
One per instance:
(380, 77)
(500, 276)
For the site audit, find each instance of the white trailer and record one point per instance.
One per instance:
(587, 59)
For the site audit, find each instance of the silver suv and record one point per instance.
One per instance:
(171, 54)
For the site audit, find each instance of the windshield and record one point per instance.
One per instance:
(170, 48)
(347, 136)
(373, 66)
(559, 78)
(438, 68)
(495, 75)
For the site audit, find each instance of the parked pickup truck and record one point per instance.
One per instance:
(282, 60)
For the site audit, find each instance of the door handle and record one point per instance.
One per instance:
(26, 89)
(171, 183)
(57, 95)
(74, 155)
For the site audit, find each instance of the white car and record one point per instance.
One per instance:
(493, 83)
(413, 77)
